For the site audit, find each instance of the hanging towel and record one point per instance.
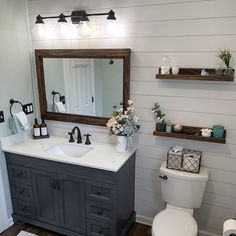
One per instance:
(18, 123)
(60, 107)
(22, 118)
(14, 125)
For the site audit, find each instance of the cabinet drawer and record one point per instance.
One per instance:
(100, 211)
(21, 192)
(95, 228)
(23, 208)
(101, 192)
(19, 174)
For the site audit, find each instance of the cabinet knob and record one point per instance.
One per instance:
(99, 192)
(100, 231)
(22, 191)
(19, 174)
(99, 212)
(24, 208)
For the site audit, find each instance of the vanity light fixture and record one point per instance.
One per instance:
(80, 24)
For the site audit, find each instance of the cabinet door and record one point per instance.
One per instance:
(72, 203)
(45, 195)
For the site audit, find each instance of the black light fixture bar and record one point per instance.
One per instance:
(76, 16)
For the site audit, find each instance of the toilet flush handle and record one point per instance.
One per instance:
(163, 177)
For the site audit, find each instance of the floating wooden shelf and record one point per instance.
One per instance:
(195, 74)
(190, 133)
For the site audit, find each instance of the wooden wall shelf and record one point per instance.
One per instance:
(191, 133)
(195, 74)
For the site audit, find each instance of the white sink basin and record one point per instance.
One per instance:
(75, 150)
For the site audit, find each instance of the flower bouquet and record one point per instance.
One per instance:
(123, 124)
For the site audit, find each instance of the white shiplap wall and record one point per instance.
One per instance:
(190, 32)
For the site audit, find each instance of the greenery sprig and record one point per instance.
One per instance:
(158, 113)
(225, 55)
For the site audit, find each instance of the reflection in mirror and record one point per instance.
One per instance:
(83, 86)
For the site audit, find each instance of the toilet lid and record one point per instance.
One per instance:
(174, 222)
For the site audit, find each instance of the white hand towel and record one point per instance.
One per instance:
(60, 107)
(22, 118)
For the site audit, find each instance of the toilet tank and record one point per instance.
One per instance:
(183, 189)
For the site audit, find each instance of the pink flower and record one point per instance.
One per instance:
(111, 122)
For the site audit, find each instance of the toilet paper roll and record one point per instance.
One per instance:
(229, 228)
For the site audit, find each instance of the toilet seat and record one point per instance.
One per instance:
(171, 222)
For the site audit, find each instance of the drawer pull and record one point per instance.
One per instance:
(54, 184)
(58, 185)
(99, 192)
(24, 208)
(22, 191)
(19, 174)
(99, 212)
(100, 231)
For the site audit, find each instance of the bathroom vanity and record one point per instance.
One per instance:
(88, 195)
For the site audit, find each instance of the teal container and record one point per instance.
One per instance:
(218, 131)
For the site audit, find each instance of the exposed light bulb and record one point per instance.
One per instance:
(43, 31)
(112, 28)
(85, 29)
(66, 30)
(39, 30)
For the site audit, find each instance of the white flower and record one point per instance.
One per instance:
(135, 119)
(130, 102)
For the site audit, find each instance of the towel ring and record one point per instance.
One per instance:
(12, 102)
(61, 98)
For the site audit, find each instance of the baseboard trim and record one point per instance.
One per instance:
(10, 222)
(144, 220)
(206, 233)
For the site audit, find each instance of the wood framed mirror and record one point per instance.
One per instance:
(82, 85)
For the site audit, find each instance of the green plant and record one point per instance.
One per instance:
(158, 113)
(225, 55)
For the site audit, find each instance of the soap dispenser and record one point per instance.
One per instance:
(44, 128)
(36, 128)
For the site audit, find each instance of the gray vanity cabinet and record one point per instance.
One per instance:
(59, 200)
(45, 196)
(71, 192)
(71, 199)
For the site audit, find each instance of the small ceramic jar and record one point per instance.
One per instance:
(175, 70)
(165, 70)
(218, 131)
(178, 128)
(206, 132)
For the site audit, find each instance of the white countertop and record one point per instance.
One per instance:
(102, 156)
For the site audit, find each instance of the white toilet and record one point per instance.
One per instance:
(183, 192)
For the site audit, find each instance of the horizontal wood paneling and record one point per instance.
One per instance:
(190, 32)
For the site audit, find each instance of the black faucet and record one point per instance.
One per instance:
(79, 138)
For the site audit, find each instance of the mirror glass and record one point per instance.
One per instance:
(83, 86)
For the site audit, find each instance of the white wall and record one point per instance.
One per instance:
(190, 32)
(15, 74)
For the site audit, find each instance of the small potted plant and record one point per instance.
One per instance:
(161, 124)
(225, 55)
